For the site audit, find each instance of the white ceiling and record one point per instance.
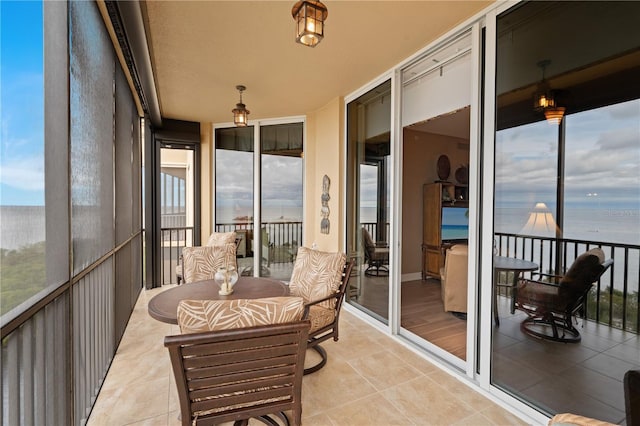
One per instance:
(201, 50)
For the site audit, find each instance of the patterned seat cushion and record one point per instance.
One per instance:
(202, 263)
(316, 274)
(195, 316)
(320, 317)
(218, 238)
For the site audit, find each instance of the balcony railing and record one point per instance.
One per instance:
(282, 240)
(613, 301)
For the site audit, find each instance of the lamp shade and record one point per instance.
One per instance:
(309, 16)
(540, 223)
(554, 115)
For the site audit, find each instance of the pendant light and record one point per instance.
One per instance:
(309, 16)
(240, 112)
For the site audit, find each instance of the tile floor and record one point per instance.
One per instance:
(370, 379)
(584, 377)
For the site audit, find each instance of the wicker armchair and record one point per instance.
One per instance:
(551, 305)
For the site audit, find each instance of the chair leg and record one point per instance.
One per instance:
(319, 349)
(539, 327)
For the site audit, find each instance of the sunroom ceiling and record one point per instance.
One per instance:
(201, 50)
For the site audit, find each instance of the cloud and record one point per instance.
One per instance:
(25, 174)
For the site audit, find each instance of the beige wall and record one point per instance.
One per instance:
(420, 156)
(324, 155)
(206, 139)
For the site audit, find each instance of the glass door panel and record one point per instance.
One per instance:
(368, 195)
(566, 181)
(234, 190)
(436, 119)
(281, 198)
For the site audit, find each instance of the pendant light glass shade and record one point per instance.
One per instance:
(240, 112)
(309, 16)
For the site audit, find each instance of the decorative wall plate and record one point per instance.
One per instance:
(444, 167)
(462, 175)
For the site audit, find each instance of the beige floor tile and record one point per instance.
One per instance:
(499, 416)
(133, 404)
(460, 390)
(317, 420)
(424, 401)
(370, 410)
(335, 384)
(476, 419)
(369, 379)
(384, 369)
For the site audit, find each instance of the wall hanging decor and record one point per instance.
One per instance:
(324, 210)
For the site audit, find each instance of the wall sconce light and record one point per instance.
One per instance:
(544, 100)
(240, 112)
(309, 16)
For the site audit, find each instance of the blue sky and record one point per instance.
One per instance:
(21, 103)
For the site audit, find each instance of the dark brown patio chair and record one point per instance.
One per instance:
(552, 304)
(234, 373)
(321, 279)
(632, 397)
(376, 256)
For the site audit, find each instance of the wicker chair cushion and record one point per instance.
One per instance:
(218, 238)
(202, 263)
(195, 316)
(317, 274)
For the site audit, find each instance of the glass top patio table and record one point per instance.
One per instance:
(164, 306)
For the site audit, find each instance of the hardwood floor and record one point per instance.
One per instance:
(422, 311)
(423, 314)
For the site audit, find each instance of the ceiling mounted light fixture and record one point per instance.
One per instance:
(240, 112)
(309, 16)
(544, 100)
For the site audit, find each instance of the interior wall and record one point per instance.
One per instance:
(420, 156)
(324, 156)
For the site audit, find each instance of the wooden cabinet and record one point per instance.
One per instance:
(435, 196)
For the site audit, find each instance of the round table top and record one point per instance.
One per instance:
(503, 263)
(164, 306)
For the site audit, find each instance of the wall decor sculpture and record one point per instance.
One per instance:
(324, 211)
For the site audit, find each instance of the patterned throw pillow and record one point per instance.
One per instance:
(218, 238)
(316, 274)
(207, 315)
(201, 263)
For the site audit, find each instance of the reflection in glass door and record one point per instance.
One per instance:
(368, 199)
(177, 205)
(436, 142)
(281, 198)
(234, 190)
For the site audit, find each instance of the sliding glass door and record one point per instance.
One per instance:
(271, 234)
(368, 199)
(573, 162)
